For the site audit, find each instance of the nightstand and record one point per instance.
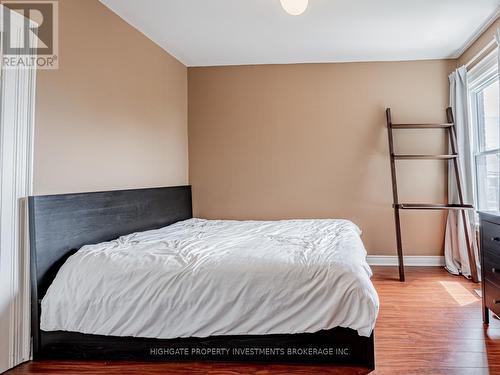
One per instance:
(490, 263)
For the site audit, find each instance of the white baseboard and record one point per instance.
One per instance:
(410, 260)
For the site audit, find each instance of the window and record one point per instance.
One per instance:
(485, 103)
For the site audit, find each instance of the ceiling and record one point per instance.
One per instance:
(238, 32)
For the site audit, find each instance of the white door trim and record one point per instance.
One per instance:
(17, 108)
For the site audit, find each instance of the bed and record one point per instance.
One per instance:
(131, 275)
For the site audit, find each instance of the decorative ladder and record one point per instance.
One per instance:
(450, 127)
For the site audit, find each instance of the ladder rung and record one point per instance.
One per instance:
(432, 206)
(421, 126)
(423, 157)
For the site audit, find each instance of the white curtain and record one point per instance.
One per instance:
(17, 108)
(497, 37)
(455, 250)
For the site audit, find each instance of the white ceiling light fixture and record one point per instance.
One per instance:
(295, 7)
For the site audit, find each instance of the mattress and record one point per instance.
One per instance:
(199, 278)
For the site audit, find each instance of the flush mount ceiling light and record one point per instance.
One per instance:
(294, 7)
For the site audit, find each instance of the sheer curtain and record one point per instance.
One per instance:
(17, 109)
(455, 249)
(497, 37)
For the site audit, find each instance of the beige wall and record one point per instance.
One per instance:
(310, 141)
(115, 113)
(265, 142)
(487, 36)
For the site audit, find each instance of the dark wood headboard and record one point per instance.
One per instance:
(61, 224)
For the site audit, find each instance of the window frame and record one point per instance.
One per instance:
(479, 77)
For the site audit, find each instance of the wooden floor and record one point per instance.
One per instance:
(429, 325)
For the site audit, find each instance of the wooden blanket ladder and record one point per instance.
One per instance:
(452, 156)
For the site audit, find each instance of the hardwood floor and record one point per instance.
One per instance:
(429, 325)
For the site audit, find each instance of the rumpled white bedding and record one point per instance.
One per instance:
(199, 278)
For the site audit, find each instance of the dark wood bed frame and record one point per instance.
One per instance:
(61, 224)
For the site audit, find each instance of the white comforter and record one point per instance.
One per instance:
(200, 278)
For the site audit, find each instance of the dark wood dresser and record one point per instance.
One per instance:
(490, 263)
